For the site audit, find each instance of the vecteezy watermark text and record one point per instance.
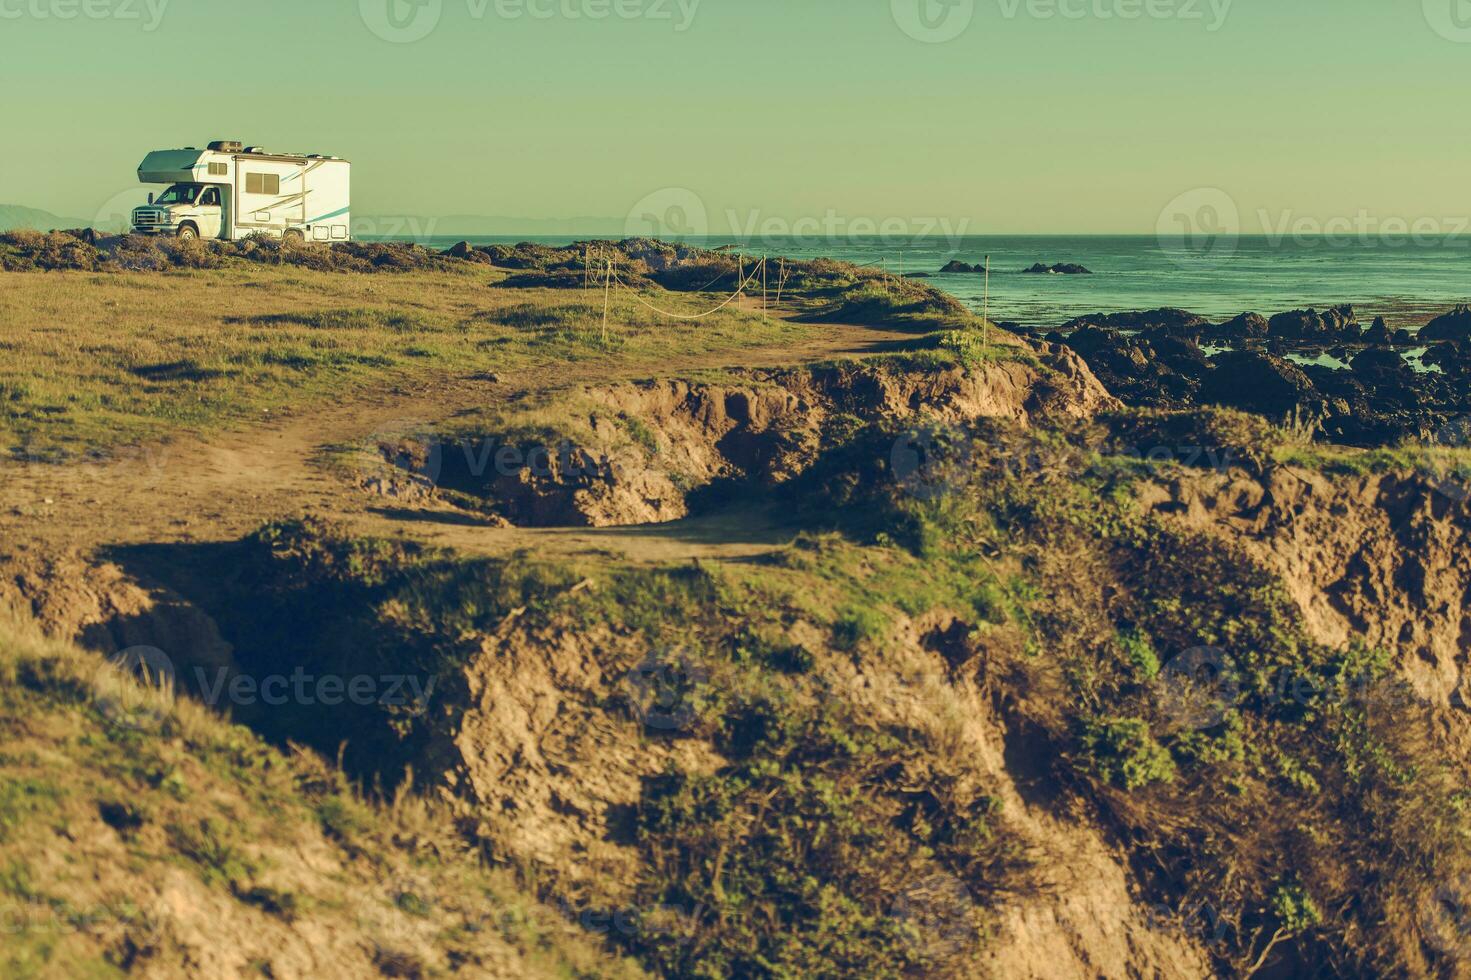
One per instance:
(678, 212)
(407, 21)
(753, 226)
(308, 690)
(148, 13)
(1212, 13)
(1361, 228)
(938, 21)
(1202, 228)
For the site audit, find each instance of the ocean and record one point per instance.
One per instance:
(1407, 282)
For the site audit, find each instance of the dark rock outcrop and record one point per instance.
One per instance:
(1378, 333)
(1379, 361)
(1381, 400)
(1340, 321)
(1158, 370)
(1247, 326)
(1455, 325)
(1059, 269)
(464, 250)
(1167, 319)
(1452, 357)
(1331, 325)
(1254, 381)
(955, 265)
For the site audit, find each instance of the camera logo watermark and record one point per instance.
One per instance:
(661, 690)
(939, 912)
(933, 21)
(115, 215)
(1198, 689)
(1451, 476)
(146, 13)
(1451, 19)
(407, 451)
(153, 670)
(671, 212)
(1445, 918)
(1200, 229)
(401, 21)
(933, 462)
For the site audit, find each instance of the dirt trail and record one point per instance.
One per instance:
(222, 487)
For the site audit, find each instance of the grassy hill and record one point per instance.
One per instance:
(142, 833)
(951, 665)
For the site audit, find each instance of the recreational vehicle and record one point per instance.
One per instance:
(232, 191)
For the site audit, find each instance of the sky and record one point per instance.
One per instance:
(975, 116)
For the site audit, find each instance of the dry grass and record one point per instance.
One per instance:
(92, 361)
(143, 833)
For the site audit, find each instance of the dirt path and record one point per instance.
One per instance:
(221, 488)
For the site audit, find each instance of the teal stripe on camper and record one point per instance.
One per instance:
(332, 215)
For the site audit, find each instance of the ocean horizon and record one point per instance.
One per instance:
(1406, 280)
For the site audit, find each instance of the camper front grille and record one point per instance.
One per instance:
(147, 219)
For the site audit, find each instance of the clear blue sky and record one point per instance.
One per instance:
(1027, 121)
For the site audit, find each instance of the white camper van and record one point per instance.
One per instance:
(232, 191)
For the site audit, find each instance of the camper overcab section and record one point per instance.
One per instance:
(229, 191)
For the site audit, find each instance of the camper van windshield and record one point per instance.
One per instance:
(179, 194)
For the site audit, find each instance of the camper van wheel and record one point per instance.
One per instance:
(188, 232)
(293, 237)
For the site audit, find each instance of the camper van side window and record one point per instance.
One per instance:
(218, 169)
(262, 184)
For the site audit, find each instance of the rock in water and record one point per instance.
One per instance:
(1340, 320)
(1452, 357)
(1378, 333)
(1167, 320)
(958, 266)
(1247, 326)
(1298, 325)
(1060, 269)
(1379, 360)
(1455, 325)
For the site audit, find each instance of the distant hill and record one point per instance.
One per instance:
(423, 226)
(14, 216)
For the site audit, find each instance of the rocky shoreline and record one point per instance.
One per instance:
(1322, 371)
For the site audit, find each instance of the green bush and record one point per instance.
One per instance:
(857, 625)
(800, 857)
(1121, 751)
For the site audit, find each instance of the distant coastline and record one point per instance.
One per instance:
(1407, 284)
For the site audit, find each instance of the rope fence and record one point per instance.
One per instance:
(610, 278)
(761, 268)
